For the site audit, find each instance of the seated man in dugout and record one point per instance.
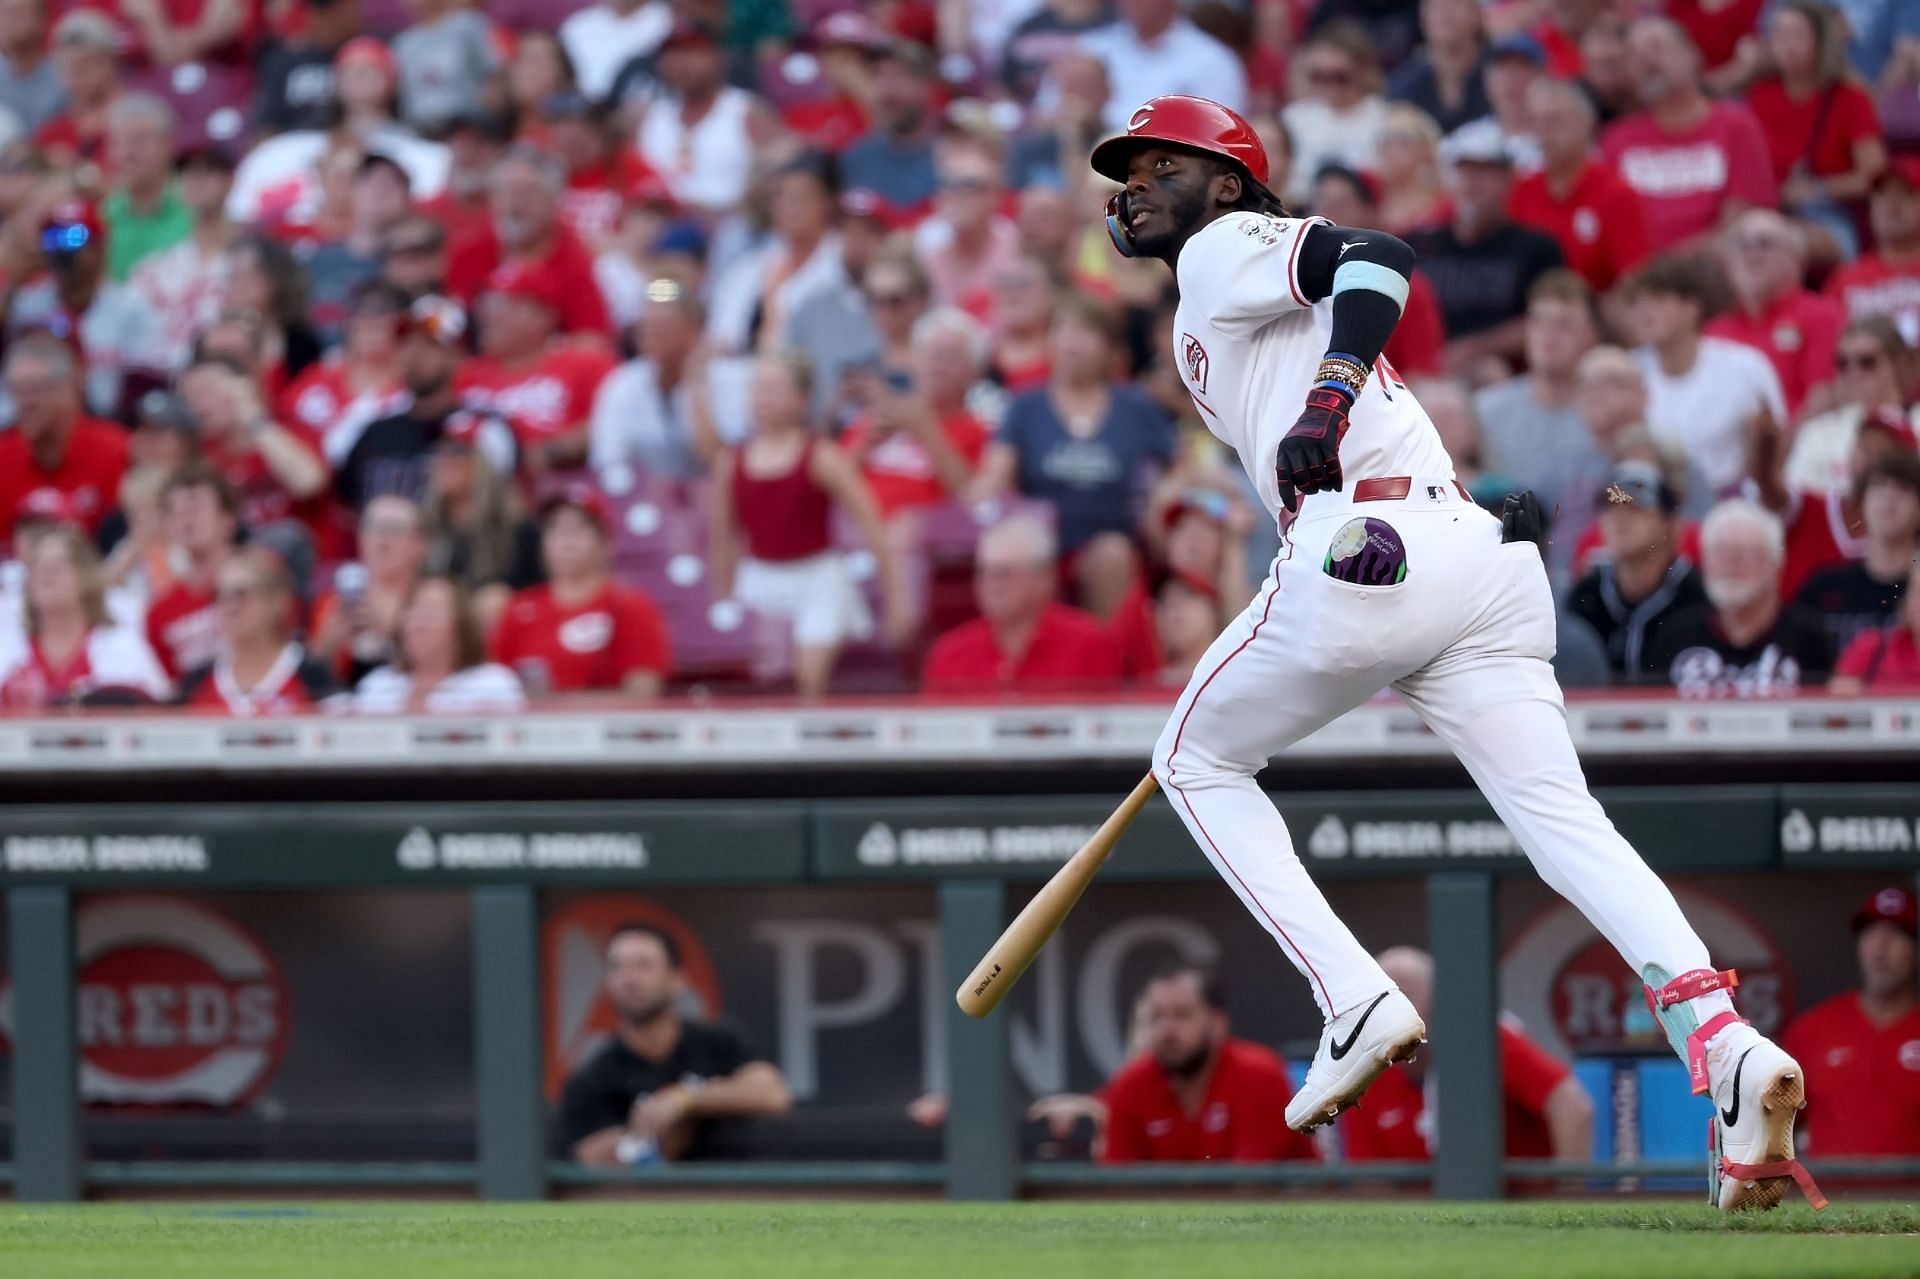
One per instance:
(663, 1087)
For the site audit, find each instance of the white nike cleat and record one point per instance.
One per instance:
(1354, 1048)
(1757, 1092)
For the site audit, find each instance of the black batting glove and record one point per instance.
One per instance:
(1521, 519)
(1308, 460)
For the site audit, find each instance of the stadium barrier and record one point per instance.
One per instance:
(969, 852)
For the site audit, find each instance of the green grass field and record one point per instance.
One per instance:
(938, 1241)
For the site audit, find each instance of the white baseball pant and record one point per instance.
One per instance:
(1466, 640)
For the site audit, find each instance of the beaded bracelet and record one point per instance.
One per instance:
(1346, 371)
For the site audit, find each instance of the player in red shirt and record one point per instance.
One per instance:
(1598, 220)
(1887, 280)
(1024, 638)
(1794, 328)
(1861, 1049)
(200, 518)
(1197, 1093)
(259, 668)
(53, 443)
(524, 227)
(1695, 161)
(543, 386)
(1548, 1113)
(582, 631)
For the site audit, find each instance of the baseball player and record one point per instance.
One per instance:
(1389, 575)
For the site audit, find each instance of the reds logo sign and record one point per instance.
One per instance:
(1140, 118)
(178, 1005)
(1576, 995)
(1194, 357)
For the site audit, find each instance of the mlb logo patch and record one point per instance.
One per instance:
(1194, 356)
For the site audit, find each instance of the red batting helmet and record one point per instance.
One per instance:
(1194, 123)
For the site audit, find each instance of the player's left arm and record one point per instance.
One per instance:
(1367, 274)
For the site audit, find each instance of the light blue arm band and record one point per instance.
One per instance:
(1373, 277)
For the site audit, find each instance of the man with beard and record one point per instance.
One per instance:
(661, 1084)
(389, 456)
(1197, 1092)
(1742, 643)
(524, 228)
(1696, 161)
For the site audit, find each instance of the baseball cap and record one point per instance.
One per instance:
(1203, 502)
(530, 284)
(869, 205)
(438, 317)
(686, 33)
(1518, 44)
(1894, 422)
(381, 160)
(1190, 581)
(1639, 484)
(849, 27)
(365, 49)
(682, 239)
(167, 411)
(1901, 168)
(88, 29)
(582, 497)
(1481, 142)
(1895, 906)
(46, 506)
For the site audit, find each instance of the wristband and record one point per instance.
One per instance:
(1344, 371)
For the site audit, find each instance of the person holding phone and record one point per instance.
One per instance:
(918, 444)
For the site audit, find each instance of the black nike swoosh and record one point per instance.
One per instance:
(1341, 1050)
(1732, 1117)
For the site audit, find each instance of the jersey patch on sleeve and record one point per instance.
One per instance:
(1194, 357)
(1262, 230)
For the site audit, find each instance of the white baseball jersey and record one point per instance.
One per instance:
(1248, 344)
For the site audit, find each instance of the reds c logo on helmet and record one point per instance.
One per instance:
(1198, 124)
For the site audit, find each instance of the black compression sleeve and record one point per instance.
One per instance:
(1363, 317)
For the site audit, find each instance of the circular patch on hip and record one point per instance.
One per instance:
(1367, 552)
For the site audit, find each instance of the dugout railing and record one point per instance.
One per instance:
(52, 853)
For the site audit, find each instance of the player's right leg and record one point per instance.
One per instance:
(1277, 673)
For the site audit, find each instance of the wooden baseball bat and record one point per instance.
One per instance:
(1037, 922)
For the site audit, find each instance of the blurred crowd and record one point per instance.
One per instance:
(420, 355)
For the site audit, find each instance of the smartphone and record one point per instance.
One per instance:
(899, 381)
